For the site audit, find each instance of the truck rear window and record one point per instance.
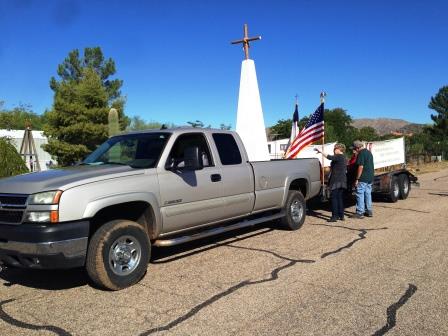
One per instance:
(228, 150)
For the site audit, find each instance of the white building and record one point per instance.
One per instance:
(277, 148)
(16, 137)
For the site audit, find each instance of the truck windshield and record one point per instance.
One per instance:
(135, 150)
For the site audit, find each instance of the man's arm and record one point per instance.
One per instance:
(358, 174)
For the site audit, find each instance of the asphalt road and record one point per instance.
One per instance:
(375, 276)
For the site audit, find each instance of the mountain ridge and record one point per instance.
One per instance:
(388, 125)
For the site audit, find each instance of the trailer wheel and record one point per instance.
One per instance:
(405, 186)
(295, 211)
(118, 254)
(394, 192)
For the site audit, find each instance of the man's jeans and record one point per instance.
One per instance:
(363, 197)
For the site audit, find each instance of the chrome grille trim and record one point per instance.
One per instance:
(12, 208)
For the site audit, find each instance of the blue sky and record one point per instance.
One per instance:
(373, 58)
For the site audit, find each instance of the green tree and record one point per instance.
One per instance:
(439, 131)
(139, 124)
(368, 134)
(11, 163)
(83, 96)
(341, 122)
(282, 128)
(20, 116)
(330, 134)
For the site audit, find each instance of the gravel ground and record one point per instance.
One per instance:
(385, 274)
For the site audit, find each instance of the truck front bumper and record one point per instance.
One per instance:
(48, 246)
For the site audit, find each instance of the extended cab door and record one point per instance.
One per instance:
(237, 176)
(190, 197)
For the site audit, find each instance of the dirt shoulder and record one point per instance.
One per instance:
(430, 167)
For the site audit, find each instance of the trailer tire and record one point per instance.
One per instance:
(405, 186)
(118, 254)
(295, 211)
(394, 192)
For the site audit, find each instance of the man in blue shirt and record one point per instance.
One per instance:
(364, 175)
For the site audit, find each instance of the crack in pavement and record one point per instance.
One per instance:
(14, 322)
(273, 253)
(361, 235)
(440, 177)
(392, 311)
(230, 290)
(273, 277)
(439, 194)
(404, 209)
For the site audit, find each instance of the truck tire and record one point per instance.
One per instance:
(405, 186)
(394, 192)
(118, 254)
(295, 211)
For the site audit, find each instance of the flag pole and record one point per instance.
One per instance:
(322, 101)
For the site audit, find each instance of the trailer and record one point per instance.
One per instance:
(392, 178)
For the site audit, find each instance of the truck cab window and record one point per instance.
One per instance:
(228, 150)
(176, 157)
(138, 150)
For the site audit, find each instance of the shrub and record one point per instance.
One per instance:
(11, 162)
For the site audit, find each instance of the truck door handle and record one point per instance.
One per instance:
(215, 177)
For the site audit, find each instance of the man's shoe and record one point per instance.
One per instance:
(332, 220)
(357, 216)
(341, 218)
(369, 214)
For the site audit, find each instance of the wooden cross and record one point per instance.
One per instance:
(246, 39)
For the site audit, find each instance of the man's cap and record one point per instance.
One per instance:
(356, 144)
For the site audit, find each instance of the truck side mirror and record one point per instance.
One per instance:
(192, 158)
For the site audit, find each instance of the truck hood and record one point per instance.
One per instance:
(62, 179)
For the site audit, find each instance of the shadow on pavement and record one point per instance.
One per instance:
(162, 255)
(45, 279)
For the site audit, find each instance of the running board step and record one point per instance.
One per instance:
(216, 231)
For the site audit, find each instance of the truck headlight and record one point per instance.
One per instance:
(47, 197)
(38, 216)
(51, 216)
(43, 215)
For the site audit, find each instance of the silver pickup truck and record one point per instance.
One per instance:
(143, 189)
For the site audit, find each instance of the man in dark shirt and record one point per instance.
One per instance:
(364, 175)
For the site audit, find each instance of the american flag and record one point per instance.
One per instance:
(295, 124)
(313, 131)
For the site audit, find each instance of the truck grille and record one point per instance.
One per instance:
(11, 217)
(12, 208)
(13, 199)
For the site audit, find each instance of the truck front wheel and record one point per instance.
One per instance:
(118, 254)
(295, 211)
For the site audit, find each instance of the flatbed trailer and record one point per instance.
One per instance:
(392, 178)
(394, 183)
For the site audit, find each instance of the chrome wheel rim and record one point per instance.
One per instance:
(396, 190)
(405, 186)
(297, 211)
(124, 255)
